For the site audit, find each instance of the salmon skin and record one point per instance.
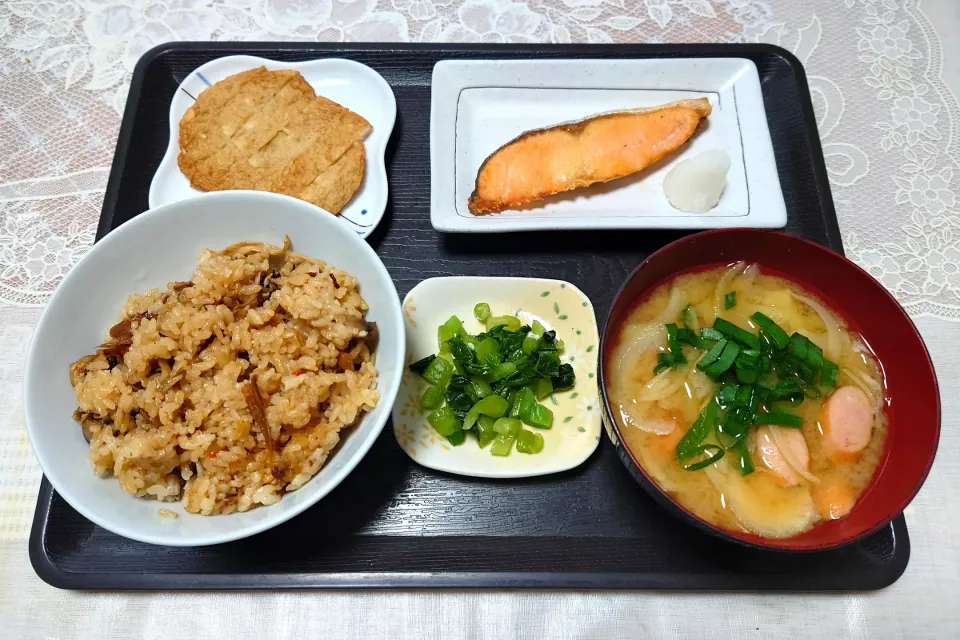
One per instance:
(573, 155)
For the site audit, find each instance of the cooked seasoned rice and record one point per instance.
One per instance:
(233, 388)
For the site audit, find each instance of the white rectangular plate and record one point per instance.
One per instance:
(478, 106)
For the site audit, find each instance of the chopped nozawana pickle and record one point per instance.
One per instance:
(431, 398)
(529, 442)
(491, 383)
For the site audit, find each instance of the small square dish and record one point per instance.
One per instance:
(558, 306)
(478, 106)
(351, 84)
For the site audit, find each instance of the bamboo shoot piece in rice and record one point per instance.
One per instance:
(748, 400)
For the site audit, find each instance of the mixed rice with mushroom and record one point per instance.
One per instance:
(230, 389)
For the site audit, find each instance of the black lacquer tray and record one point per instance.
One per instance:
(394, 524)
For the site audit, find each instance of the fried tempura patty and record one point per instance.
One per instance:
(268, 130)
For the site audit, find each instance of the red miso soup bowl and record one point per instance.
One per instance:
(913, 400)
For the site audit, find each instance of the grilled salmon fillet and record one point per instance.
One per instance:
(573, 155)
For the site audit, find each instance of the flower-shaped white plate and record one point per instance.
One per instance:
(351, 84)
(576, 413)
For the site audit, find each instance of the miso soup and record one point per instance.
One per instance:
(748, 400)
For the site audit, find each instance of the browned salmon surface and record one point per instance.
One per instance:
(574, 155)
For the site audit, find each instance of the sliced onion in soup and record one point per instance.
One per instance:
(674, 307)
(636, 343)
(832, 349)
(761, 505)
(664, 384)
(644, 416)
(723, 286)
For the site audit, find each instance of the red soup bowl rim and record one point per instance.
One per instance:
(751, 540)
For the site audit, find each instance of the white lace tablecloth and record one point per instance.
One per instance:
(884, 76)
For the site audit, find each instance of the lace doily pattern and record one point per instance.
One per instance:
(885, 117)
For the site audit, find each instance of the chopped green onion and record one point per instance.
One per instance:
(777, 335)
(705, 449)
(814, 355)
(438, 372)
(733, 331)
(779, 418)
(724, 362)
(711, 334)
(728, 394)
(431, 398)
(765, 364)
(529, 441)
(798, 346)
(745, 395)
(748, 366)
(712, 355)
(444, 420)
(786, 388)
(747, 376)
(741, 458)
(705, 423)
(481, 311)
(730, 300)
(664, 362)
(731, 430)
(674, 345)
(689, 337)
(829, 374)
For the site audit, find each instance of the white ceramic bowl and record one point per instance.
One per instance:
(157, 247)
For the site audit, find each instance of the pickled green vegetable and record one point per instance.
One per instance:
(490, 384)
(431, 398)
(444, 420)
(484, 430)
(481, 311)
(511, 323)
(439, 372)
(529, 442)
